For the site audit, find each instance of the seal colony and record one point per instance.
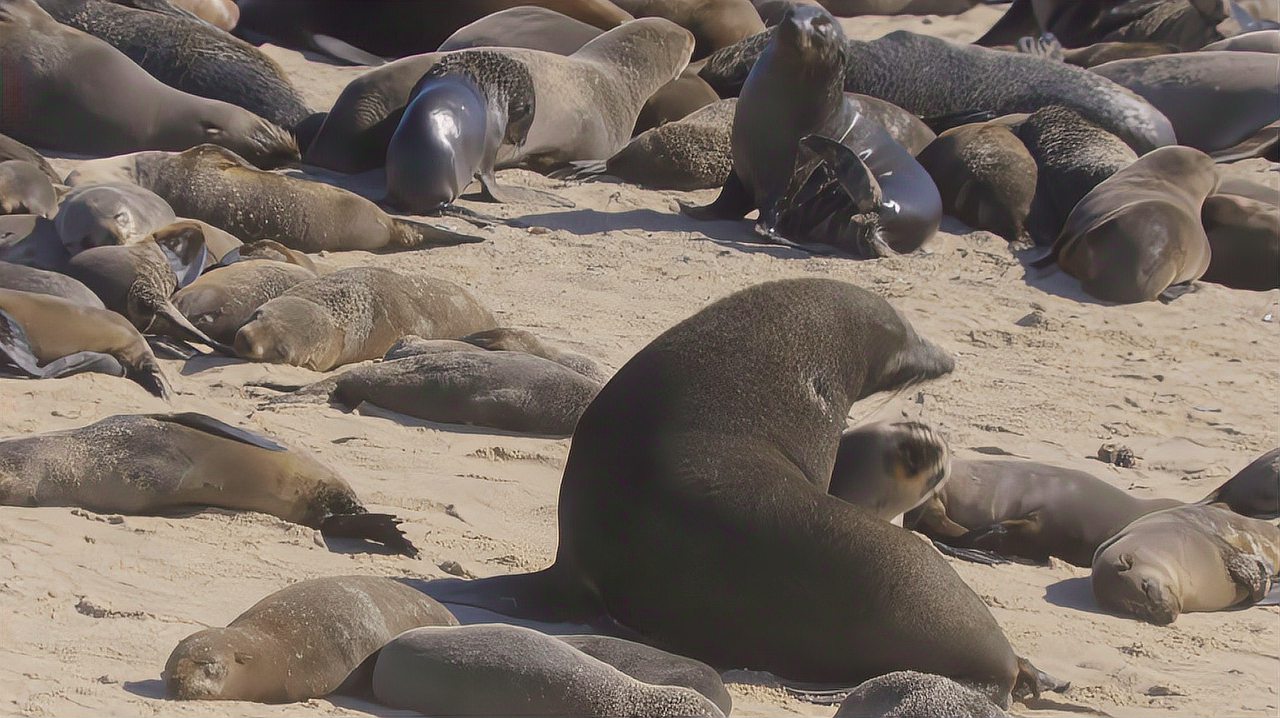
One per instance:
(225, 372)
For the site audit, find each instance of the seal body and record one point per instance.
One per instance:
(1244, 239)
(110, 214)
(507, 339)
(985, 176)
(1076, 23)
(655, 667)
(1254, 491)
(1190, 558)
(11, 149)
(1256, 41)
(222, 300)
(714, 23)
(24, 189)
(85, 96)
(909, 694)
(22, 278)
(890, 468)
(303, 641)
(32, 240)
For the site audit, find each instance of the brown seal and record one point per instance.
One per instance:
(1244, 239)
(222, 300)
(1254, 491)
(304, 641)
(986, 178)
(32, 241)
(11, 149)
(890, 468)
(714, 23)
(507, 339)
(910, 694)
(24, 189)
(110, 214)
(30, 279)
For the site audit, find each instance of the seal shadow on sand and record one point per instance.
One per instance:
(1075, 593)
(150, 688)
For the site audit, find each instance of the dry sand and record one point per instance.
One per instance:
(91, 605)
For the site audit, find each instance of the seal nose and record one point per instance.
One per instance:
(246, 346)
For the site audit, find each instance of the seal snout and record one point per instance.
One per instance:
(195, 670)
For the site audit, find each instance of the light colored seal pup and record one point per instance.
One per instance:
(356, 314)
(986, 178)
(1244, 239)
(110, 214)
(1139, 231)
(162, 463)
(85, 96)
(211, 184)
(1254, 491)
(493, 670)
(44, 336)
(909, 694)
(1190, 558)
(307, 640)
(222, 300)
(22, 278)
(24, 189)
(890, 468)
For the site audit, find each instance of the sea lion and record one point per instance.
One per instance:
(158, 463)
(79, 94)
(1073, 155)
(189, 55)
(506, 339)
(56, 284)
(307, 640)
(714, 23)
(727, 469)
(854, 187)
(11, 149)
(222, 14)
(1027, 509)
(909, 694)
(1256, 41)
(508, 391)
(32, 241)
(1254, 491)
(211, 184)
(24, 189)
(356, 314)
(44, 337)
(492, 670)
(1189, 558)
(1139, 231)
(1242, 88)
(901, 66)
(222, 300)
(359, 31)
(1185, 24)
(890, 468)
(986, 178)
(111, 213)
(1244, 242)
(655, 667)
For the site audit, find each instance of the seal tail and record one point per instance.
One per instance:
(378, 528)
(413, 235)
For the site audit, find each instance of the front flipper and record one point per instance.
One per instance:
(734, 202)
(414, 235)
(490, 191)
(580, 170)
(1032, 681)
(1045, 46)
(986, 558)
(1008, 538)
(849, 170)
(1252, 573)
(210, 425)
(378, 528)
(166, 320)
(772, 237)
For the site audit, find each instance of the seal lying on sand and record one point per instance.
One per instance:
(157, 463)
(986, 177)
(110, 214)
(222, 300)
(306, 640)
(33, 241)
(11, 149)
(909, 694)
(1244, 239)
(24, 189)
(56, 284)
(1254, 491)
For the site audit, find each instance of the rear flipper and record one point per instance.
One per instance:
(149, 377)
(858, 229)
(1013, 538)
(170, 348)
(986, 558)
(581, 170)
(491, 191)
(167, 321)
(773, 237)
(413, 235)
(378, 528)
(1252, 573)
(475, 219)
(734, 202)
(1176, 291)
(1032, 681)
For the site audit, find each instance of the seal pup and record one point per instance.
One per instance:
(211, 184)
(159, 463)
(713, 23)
(873, 198)
(986, 178)
(890, 468)
(11, 149)
(491, 670)
(356, 314)
(82, 95)
(1189, 558)
(220, 301)
(189, 55)
(24, 189)
(1244, 239)
(1139, 232)
(45, 337)
(56, 284)
(1028, 510)
(654, 666)
(1214, 99)
(307, 640)
(1072, 155)
(910, 694)
(110, 214)
(1254, 491)
(508, 391)
(900, 67)
(32, 241)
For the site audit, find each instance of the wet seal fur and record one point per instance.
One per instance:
(158, 463)
(305, 641)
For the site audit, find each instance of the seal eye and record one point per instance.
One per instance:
(211, 131)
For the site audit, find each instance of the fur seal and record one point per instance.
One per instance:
(1139, 231)
(1027, 509)
(1189, 558)
(1185, 24)
(1244, 242)
(24, 189)
(1073, 155)
(157, 463)
(306, 640)
(211, 184)
(890, 468)
(222, 300)
(1254, 491)
(56, 284)
(655, 667)
(714, 23)
(32, 241)
(909, 694)
(508, 391)
(11, 149)
(853, 187)
(1243, 88)
(110, 214)
(356, 314)
(901, 66)
(82, 95)
(189, 55)
(986, 178)
(1256, 41)
(491, 670)
(44, 336)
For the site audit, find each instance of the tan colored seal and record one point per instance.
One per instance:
(222, 300)
(986, 177)
(890, 468)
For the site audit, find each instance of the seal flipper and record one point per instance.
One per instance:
(413, 235)
(378, 528)
(544, 596)
(972, 555)
(149, 377)
(581, 170)
(1032, 681)
(491, 192)
(344, 51)
(734, 202)
(1045, 46)
(166, 320)
(210, 425)
(1252, 573)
